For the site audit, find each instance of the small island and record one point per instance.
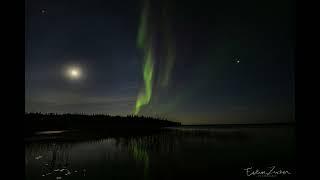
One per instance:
(37, 122)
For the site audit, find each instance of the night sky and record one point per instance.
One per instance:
(194, 62)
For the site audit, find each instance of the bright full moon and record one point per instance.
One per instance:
(74, 73)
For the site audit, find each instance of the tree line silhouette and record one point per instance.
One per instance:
(95, 122)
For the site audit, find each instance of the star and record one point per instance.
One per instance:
(236, 60)
(43, 11)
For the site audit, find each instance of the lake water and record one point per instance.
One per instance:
(174, 153)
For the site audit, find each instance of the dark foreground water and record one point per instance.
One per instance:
(187, 152)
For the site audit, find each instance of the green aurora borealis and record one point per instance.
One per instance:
(145, 41)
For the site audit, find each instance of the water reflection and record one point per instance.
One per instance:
(171, 153)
